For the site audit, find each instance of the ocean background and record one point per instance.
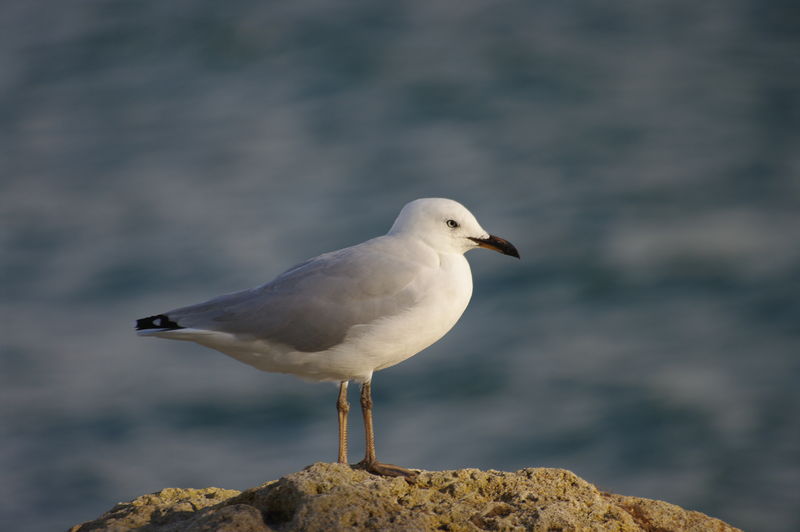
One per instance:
(644, 157)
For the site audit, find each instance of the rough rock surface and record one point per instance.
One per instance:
(335, 497)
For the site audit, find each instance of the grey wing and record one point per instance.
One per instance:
(312, 306)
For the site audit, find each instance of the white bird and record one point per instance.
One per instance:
(344, 315)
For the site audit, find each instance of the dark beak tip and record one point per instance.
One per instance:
(511, 251)
(504, 246)
(498, 244)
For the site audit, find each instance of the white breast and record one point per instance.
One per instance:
(389, 341)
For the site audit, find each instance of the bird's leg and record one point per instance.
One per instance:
(370, 462)
(366, 411)
(343, 407)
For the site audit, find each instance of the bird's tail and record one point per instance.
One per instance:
(156, 324)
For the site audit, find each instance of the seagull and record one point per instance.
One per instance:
(346, 314)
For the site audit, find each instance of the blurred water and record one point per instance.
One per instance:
(642, 156)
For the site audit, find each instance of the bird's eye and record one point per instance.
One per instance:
(452, 224)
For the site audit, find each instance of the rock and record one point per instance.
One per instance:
(170, 509)
(326, 497)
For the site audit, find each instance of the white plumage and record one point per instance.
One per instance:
(343, 315)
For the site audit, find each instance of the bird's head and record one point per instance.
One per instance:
(447, 226)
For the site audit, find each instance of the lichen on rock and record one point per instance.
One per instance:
(335, 497)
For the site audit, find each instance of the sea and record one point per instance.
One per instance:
(644, 157)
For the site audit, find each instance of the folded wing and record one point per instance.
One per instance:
(312, 306)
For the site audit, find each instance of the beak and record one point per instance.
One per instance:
(496, 243)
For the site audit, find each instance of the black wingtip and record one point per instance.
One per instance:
(159, 321)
